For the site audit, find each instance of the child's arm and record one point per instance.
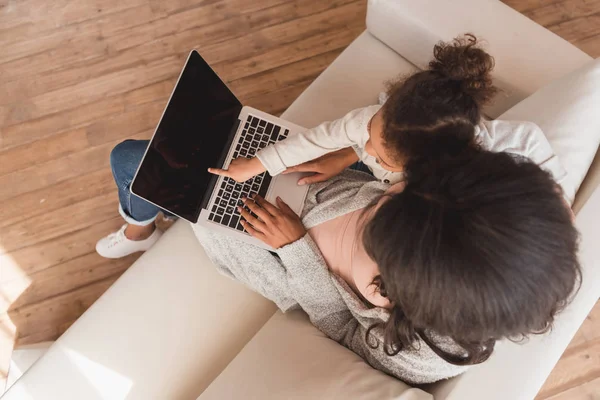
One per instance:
(305, 146)
(345, 132)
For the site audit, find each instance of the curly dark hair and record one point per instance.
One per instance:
(432, 114)
(482, 248)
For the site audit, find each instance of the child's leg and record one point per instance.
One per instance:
(139, 233)
(124, 161)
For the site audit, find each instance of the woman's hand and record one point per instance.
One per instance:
(275, 226)
(326, 166)
(240, 169)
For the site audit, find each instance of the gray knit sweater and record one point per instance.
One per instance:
(300, 278)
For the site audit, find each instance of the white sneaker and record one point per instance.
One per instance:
(117, 245)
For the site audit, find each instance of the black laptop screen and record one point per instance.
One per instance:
(197, 126)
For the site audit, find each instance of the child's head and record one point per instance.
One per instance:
(433, 112)
(480, 250)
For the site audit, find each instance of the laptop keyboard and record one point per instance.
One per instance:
(257, 134)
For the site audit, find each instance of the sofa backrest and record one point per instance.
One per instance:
(527, 55)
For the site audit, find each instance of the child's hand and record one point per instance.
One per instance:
(274, 226)
(326, 166)
(241, 169)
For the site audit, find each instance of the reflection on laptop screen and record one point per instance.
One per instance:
(192, 136)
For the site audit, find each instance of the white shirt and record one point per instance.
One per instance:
(522, 138)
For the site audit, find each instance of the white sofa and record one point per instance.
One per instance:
(172, 328)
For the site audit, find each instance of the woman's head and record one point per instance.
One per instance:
(432, 113)
(477, 250)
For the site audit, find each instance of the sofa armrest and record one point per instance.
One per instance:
(164, 330)
(527, 55)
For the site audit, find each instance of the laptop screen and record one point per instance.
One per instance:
(194, 133)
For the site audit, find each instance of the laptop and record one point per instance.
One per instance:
(204, 125)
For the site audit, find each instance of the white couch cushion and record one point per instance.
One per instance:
(527, 55)
(568, 111)
(164, 330)
(290, 359)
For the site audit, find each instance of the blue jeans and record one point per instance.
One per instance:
(124, 161)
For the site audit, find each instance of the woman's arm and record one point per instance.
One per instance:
(308, 277)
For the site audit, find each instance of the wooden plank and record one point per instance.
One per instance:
(111, 84)
(97, 33)
(30, 260)
(105, 85)
(587, 391)
(587, 335)
(33, 18)
(47, 334)
(52, 198)
(288, 53)
(42, 150)
(65, 277)
(27, 132)
(58, 170)
(178, 43)
(48, 226)
(524, 6)
(53, 44)
(100, 40)
(578, 29)
(57, 14)
(139, 119)
(562, 11)
(590, 45)
(589, 330)
(577, 366)
(82, 116)
(56, 311)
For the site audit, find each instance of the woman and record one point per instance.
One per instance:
(420, 281)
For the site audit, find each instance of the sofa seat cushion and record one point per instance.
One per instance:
(290, 359)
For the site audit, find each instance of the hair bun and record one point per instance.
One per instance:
(462, 60)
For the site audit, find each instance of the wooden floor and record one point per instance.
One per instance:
(80, 76)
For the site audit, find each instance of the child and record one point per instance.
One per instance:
(432, 114)
(419, 121)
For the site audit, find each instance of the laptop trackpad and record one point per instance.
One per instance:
(286, 187)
